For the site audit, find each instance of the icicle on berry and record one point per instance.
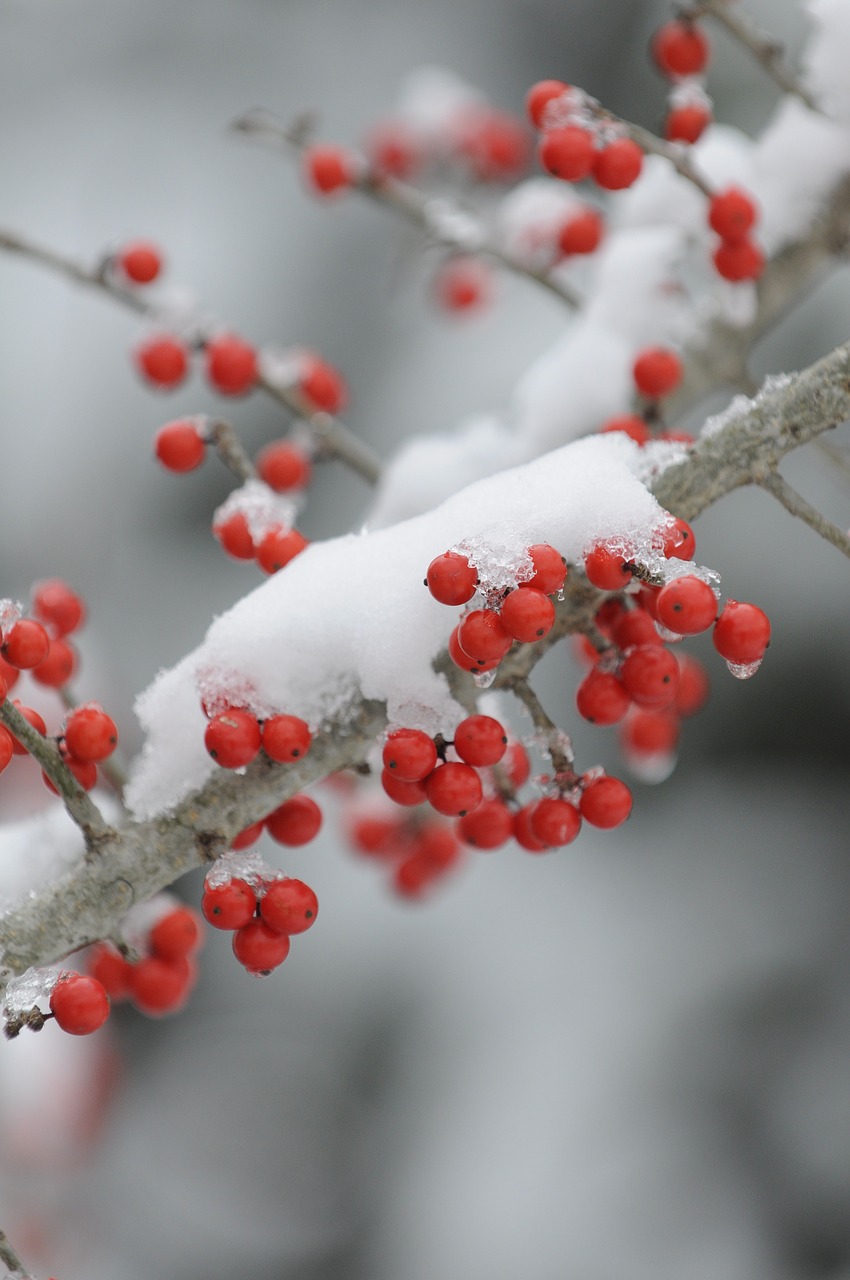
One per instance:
(741, 633)
(259, 948)
(483, 637)
(679, 541)
(550, 569)
(539, 96)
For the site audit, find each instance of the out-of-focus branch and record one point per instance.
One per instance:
(765, 48)
(673, 152)
(225, 439)
(11, 1261)
(796, 505)
(442, 221)
(336, 438)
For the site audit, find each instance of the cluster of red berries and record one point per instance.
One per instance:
(417, 852)
(681, 51)
(262, 909)
(732, 214)
(163, 977)
(230, 363)
(234, 737)
(657, 372)
(272, 549)
(576, 147)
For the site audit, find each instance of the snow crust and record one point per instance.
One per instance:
(350, 618)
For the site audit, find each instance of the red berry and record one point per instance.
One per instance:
(159, 986)
(539, 96)
(140, 261)
(523, 833)
(248, 835)
(686, 606)
(618, 165)
(162, 360)
(451, 579)
(463, 283)
(602, 698)
(568, 153)
(85, 771)
(650, 673)
(412, 876)
(393, 150)
(378, 836)
(26, 644)
(483, 637)
(692, 694)
(230, 365)
(59, 665)
(647, 732)
(7, 748)
(527, 615)
(233, 738)
(657, 371)
(283, 466)
(437, 845)
(550, 569)
(286, 738)
(57, 606)
(179, 446)
(687, 123)
(108, 967)
(738, 260)
(278, 546)
(463, 660)
(295, 822)
(732, 214)
(234, 535)
(606, 802)
(480, 741)
(516, 764)
(454, 789)
(635, 627)
(289, 906)
(322, 385)
(493, 143)
(581, 233)
(488, 826)
(741, 633)
(679, 541)
(629, 423)
(609, 570)
(329, 170)
(680, 48)
(410, 754)
(90, 734)
(79, 1004)
(555, 822)
(404, 793)
(259, 948)
(176, 934)
(230, 905)
(32, 718)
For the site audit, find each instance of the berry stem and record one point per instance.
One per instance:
(765, 48)
(10, 1259)
(557, 743)
(410, 203)
(225, 439)
(797, 505)
(80, 807)
(675, 153)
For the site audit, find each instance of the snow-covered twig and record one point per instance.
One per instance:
(797, 505)
(413, 205)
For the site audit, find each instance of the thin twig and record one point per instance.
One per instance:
(81, 808)
(224, 437)
(765, 48)
(11, 1260)
(336, 438)
(434, 216)
(556, 741)
(676, 153)
(797, 505)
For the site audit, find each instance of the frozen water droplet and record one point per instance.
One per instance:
(561, 596)
(485, 678)
(31, 990)
(743, 670)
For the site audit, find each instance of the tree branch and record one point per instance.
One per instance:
(797, 505)
(11, 1260)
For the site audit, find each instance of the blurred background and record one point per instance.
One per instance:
(627, 1060)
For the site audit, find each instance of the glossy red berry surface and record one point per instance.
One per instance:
(738, 260)
(523, 833)
(140, 261)
(79, 1004)
(606, 802)
(732, 214)
(463, 660)
(58, 667)
(230, 365)
(451, 579)
(90, 734)
(489, 826)
(482, 636)
(602, 698)
(26, 644)
(297, 821)
(107, 965)
(634, 627)
(539, 96)
(568, 153)
(283, 466)
(527, 615)
(162, 360)
(480, 740)
(179, 446)
(650, 674)
(259, 948)
(407, 794)
(323, 386)
(233, 739)
(229, 905)
(454, 789)
(607, 569)
(289, 906)
(159, 986)
(550, 569)
(618, 165)
(286, 738)
(741, 633)
(687, 605)
(278, 546)
(235, 536)
(657, 371)
(680, 48)
(176, 934)
(555, 822)
(59, 607)
(410, 754)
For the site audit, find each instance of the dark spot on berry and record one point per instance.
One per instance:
(540, 631)
(295, 753)
(308, 915)
(463, 813)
